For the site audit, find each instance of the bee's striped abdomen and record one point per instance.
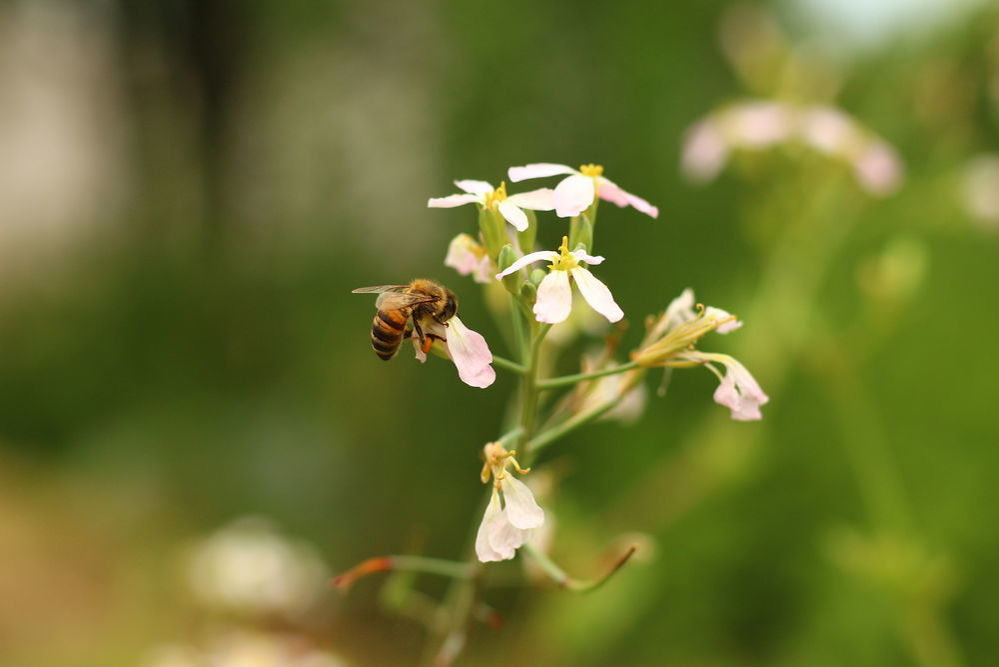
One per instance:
(387, 331)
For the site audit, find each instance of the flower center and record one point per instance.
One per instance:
(593, 170)
(496, 196)
(497, 460)
(565, 261)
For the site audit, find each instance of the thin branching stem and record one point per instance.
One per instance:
(569, 380)
(564, 580)
(508, 365)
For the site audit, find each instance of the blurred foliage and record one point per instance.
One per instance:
(197, 356)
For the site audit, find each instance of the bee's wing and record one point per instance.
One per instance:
(395, 300)
(378, 289)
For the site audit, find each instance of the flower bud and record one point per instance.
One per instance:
(511, 281)
(492, 228)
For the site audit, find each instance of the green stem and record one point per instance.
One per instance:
(444, 568)
(567, 380)
(560, 577)
(508, 365)
(546, 438)
(529, 382)
(404, 563)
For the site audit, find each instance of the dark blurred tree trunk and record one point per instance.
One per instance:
(182, 61)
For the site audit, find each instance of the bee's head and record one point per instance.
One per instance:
(450, 305)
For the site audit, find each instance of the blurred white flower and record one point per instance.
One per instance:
(507, 522)
(554, 300)
(878, 168)
(980, 189)
(248, 566)
(243, 648)
(757, 125)
(705, 151)
(469, 258)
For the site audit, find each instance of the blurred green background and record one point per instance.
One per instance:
(189, 189)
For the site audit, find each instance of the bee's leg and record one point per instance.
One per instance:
(419, 332)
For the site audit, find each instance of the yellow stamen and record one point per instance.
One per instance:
(496, 196)
(593, 170)
(565, 261)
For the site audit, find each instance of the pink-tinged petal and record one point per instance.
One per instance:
(521, 508)
(573, 195)
(878, 169)
(542, 199)
(452, 200)
(705, 152)
(829, 130)
(464, 254)
(758, 124)
(554, 302)
(582, 256)
(612, 192)
(483, 273)
(475, 187)
(681, 309)
(470, 354)
(740, 393)
(538, 170)
(597, 294)
(512, 213)
(530, 258)
(491, 523)
(718, 314)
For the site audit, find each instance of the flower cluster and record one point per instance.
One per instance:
(502, 255)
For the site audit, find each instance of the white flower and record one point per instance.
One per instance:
(738, 391)
(248, 566)
(554, 301)
(507, 522)
(485, 195)
(575, 194)
(466, 348)
(468, 257)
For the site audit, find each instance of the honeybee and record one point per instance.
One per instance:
(420, 302)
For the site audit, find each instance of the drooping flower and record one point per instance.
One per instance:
(466, 348)
(554, 301)
(469, 257)
(485, 195)
(575, 194)
(738, 390)
(512, 511)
